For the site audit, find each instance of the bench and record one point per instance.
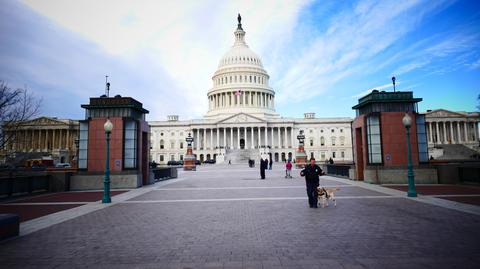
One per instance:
(9, 225)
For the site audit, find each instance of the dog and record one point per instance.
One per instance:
(325, 194)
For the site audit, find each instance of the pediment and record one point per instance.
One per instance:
(443, 113)
(241, 118)
(44, 121)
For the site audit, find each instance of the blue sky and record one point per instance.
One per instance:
(321, 55)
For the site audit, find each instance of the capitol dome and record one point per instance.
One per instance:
(240, 84)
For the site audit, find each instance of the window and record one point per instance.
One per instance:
(162, 144)
(334, 154)
(322, 155)
(321, 131)
(342, 140)
(172, 157)
(373, 139)
(333, 141)
(172, 144)
(173, 134)
(322, 141)
(422, 138)
(333, 131)
(162, 158)
(311, 131)
(130, 145)
(83, 146)
(342, 154)
(181, 145)
(341, 130)
(181, 157)
(311, 142)
(161, 134)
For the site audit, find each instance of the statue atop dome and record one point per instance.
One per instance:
(239, 18)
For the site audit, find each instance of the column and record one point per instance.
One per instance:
(259, 138)
(231, 137)
(197, 141)
(430, 134)
(266, 132)
(279, 139)
(475, 131)
(204, 138)
(292, 137)
(211, 138)
(218, 138)
(458, 133)
(272, 144)
(54, 144)
(437, 132)
(252, 144)
(285, 137)
(238, 137)
(451, 132)
(465, 127)
(224, 138)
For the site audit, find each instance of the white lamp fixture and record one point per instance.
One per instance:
(407, 121)
(108, 126)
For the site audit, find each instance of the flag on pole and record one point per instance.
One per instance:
(238, 93)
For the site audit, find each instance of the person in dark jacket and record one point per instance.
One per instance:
(312, 173)
(263, 166)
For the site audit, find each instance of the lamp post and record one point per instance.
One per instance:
(108, 126)
(407, 122)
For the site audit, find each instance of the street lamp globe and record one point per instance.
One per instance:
(108, 126)
(407, 121)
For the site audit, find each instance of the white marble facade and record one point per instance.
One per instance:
(449, 127)
(241, 117)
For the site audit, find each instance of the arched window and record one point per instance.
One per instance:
(322, 141)
(162, 144)
(255, 79)
(311, 142)
(250, 79)
(333, 141)
(342, 140)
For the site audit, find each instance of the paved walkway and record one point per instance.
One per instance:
(225, 217)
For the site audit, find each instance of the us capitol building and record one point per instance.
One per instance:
(241, 121)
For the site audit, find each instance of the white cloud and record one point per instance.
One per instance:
(185, 38)
(349, 46)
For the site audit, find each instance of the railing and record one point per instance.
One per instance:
(338, 170)
(13, 185)
(163, 173)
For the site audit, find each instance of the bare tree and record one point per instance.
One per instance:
(16, 107)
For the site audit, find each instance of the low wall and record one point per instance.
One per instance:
(398, 175)
(95, 181)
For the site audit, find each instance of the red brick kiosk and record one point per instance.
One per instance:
(129, 144)
(380, 143)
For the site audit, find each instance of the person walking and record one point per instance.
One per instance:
(263, 166)
(288, 170)
(312, 173)
(271, 164)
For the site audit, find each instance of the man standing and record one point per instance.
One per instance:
(263, 166)
(311, 172)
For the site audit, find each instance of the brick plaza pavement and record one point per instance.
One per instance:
(225, 217)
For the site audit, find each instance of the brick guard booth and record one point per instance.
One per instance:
(380, 142)
(129, 144)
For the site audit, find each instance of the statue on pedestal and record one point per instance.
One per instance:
(301, 156)
(189, 159)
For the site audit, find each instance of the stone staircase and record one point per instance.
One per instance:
(457, 152)
(239, 156)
